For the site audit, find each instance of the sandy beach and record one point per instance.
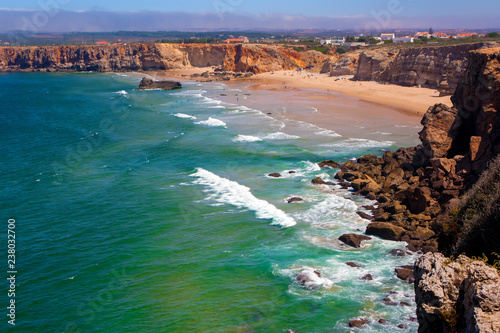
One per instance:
(411, 99)
(335, 103)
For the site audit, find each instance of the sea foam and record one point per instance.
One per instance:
(183, 115)
(280, 136)
(246, 138)
(230, 192)
(212, 122)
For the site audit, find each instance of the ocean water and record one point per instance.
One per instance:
(152, 211)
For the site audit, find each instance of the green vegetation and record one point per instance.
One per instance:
(493, 35)
(478, 218)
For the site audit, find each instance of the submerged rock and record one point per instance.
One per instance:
(295, 199)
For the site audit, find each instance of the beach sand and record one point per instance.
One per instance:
(347, 107)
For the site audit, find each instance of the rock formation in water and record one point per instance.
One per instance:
(236, 58)
(148, 83)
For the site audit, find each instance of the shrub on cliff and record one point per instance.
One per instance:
(478, 216)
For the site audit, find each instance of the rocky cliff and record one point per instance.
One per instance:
(439, 68)
(420, 200)
(456, 296)
(238, 58)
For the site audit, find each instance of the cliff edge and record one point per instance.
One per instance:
(134, 57)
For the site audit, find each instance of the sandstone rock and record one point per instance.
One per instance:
(365, 216)
(319, 181)
(440, 123)
(353, 239)
(148, 83)
(385, 230)
(456, 296)
(418, 199)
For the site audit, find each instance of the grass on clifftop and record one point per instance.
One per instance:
(478, 217)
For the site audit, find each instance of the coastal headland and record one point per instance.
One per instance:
(422, 192)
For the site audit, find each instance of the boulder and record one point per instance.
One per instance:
(275, 175)
(358, 322)
(418, 199)
(352, 264)
(353, 240)
(440, 122)
(367, 277)
(295, 199)
(329, 163)
(365, 216)
(388, 301)
(148, 83)
(385, 230)
(405, 273)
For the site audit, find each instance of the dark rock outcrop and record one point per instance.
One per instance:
(353, 239)
(358, 322)
(148, 83)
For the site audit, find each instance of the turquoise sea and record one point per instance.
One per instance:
(152, 211)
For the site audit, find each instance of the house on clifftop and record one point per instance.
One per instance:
(236, 40)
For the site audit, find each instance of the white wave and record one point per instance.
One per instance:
(122, 92)
(304, 169)
(230, 192)
(191, 93)
(334, 210)
(246, 138)
(359, 143)
(280, 136)
(207, 100)
(328, 133)
(183, 115)
(212, 122)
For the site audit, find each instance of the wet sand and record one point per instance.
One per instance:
(351, 108)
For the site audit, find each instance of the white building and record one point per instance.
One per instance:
(406, 39)
(333, 41)
(387, 36)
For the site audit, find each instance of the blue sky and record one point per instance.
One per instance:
(411, 8)
(155, 15)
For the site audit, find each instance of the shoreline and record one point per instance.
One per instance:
(411, 100)
(348, 116)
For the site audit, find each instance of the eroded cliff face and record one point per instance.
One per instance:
(456, 296)
(347, 64)
(240, 58)
(439, 68)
